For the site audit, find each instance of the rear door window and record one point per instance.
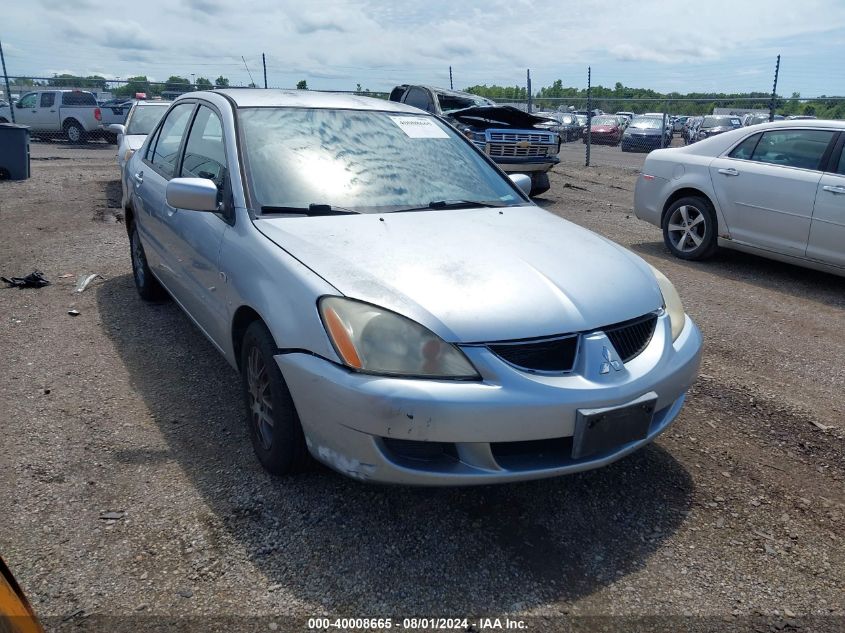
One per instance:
(166, 151)
(48, 99)
(793, 148)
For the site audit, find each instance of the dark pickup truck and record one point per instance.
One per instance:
(513, 139)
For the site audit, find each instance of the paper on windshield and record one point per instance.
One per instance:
(419, 127)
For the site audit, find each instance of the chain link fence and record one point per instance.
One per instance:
(81, 110)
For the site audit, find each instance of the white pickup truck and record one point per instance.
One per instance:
(73, 114)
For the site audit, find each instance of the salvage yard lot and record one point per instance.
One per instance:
(738, 510)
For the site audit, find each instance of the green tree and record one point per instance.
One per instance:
(203, 84)
(302, 85)
(176, 83)
(221, 82)
(133, 85)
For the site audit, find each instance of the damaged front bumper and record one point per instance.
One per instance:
(509, 426)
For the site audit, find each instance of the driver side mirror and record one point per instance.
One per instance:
(117, 128)
(193, 194)
(18, 105)
(522, 181)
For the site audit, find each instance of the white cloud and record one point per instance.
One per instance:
(337, 43)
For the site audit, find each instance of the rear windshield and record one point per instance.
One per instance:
(78, 99)
(717, 121)
(647, 123)
(144, 118)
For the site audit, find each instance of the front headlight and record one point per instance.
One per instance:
(672, 303)
(376, 340)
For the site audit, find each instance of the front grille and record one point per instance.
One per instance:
(497, 149)
(630, 338)
(515, 137)
(552, 355)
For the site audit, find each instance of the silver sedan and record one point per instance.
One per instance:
(775, 189)
(396, 306)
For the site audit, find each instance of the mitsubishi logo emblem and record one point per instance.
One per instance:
(609, 362)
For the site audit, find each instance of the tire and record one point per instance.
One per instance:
(689, 228)
(271, 417)
(75, 132)
(539, 184)
(148, 286)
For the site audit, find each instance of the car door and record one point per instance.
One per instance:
(766, 186)
(195, 236)
(160, 164)
(26, 108)
(46, 115)
(827, 230)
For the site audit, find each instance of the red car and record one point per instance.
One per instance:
(605, 129)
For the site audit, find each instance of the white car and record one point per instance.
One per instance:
(141, 120)
(775, 189)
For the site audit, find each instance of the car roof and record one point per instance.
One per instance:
(263, 98)
(801, 123)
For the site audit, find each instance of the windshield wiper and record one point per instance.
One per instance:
(311, 210)
(454, 204)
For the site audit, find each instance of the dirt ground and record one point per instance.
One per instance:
(128, 488)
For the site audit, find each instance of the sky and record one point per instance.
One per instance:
(713, 46)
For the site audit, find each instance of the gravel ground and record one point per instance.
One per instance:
(128, 485)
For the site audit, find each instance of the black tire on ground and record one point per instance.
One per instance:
(148, 287)
(271, 417)
(74, 132)
(682, 228)
(539, 184)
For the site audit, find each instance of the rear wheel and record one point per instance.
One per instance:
(272, 420)
(689, 228)
(75, 132)
(147, 285)
(539, 184)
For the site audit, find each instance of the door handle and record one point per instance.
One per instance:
(729, 171)
(139, 177)
(834, 189)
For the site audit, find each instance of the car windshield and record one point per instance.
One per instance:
(647, 124)
(716, 121)
(604, 120)
(361, 160)
(144, 118)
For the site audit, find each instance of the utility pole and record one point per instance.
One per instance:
(528, 82)
(589, 113)
(264, 63)
(772, 103)
(451, 86)
(6, 79)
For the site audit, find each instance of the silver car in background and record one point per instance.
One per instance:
(774, 189)
(394, 304)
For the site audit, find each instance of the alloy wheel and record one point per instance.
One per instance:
(260, 401)
(686, 228)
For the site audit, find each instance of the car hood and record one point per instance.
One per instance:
(134, 141)
(475, 275)
(506, 115)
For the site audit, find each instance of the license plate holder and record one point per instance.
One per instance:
(601, 430)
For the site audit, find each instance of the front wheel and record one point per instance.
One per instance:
(271, 417)
(689, 228)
